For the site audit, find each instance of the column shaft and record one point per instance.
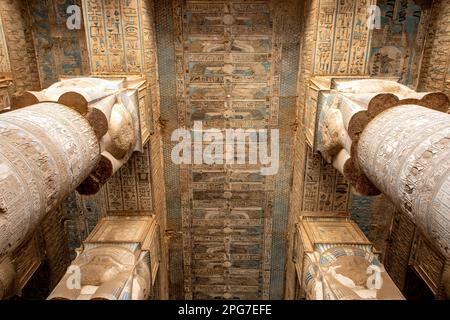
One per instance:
(46, 151)
(405, 152)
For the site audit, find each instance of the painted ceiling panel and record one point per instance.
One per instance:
(227, 61)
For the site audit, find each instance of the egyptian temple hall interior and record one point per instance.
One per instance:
(224, 149)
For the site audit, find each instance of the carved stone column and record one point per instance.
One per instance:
(46, 151)
(73, 135)
(386, 138)
(405, 153)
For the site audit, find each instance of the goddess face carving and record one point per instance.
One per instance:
(105, 272)
(347, 273)
(101, 269)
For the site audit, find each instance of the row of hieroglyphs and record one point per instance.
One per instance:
(114, 35)
(5, 67)
(356, 37)
(342, 37)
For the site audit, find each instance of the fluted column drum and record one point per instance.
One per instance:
(46, 151)
(405, 152)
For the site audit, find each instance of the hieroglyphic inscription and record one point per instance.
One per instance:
(343, 31)
(5, 66)
(22, 54)
(27, 260)
(114, 35)
(132, 31)
(427, 262)
(359, 54)
(435, 67)
(150, 65)
(337, 43)
(6, 91)
(325, 189)
(129, 191)
(325, 23)
(342, 37)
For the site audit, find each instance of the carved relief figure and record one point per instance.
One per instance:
(105, 272)
(347, 273)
